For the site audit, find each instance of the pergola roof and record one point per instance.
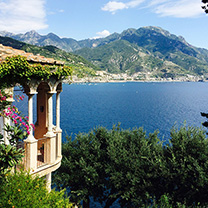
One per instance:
(6, 51)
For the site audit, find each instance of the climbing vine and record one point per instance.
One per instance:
(17, 69)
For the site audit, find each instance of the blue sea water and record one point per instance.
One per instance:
(153, 106)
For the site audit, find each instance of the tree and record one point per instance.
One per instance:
(205, 124)
(111, 165)
(136, 170)
(205, 7)
(186, 157)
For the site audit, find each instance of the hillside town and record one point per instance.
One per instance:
(103, 76)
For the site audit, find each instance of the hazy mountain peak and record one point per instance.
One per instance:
(52, 35)
(32, 33)
(6, 34)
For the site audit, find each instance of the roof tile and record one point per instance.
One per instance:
(6, 51)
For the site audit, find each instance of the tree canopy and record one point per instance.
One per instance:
(134, 169)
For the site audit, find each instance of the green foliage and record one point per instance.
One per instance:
(9, 157)
(110, 165)
(205, 124)
(148, 49)
(23, 190)
(16, 69)
(204, 7)
(187, 165)
(136, 169)
(3, 100)
(11, 153)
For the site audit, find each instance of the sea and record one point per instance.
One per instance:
(154, 106)
(151, 105)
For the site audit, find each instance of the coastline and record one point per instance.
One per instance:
(105, 77)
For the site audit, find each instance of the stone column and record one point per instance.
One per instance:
(30, 142)
(58, 129)
(58, 110)
(50, 115)
(48, 182)
(51, 137)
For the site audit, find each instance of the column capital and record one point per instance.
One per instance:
(59, 91)
(51, 92)
(31, 94)
(58, 130)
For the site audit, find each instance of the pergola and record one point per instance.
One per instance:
(43, 146)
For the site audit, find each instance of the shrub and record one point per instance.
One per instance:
(23, 190)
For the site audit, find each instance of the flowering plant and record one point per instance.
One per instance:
(10, 153)
(3, 100)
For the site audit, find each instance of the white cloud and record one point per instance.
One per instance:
(180, 8)
(156, 2)
(102, 34)
(113, 6)
(22, 15)
(174, 8)
(135, 3)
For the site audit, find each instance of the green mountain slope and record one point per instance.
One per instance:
(148, 49)
(80, 65)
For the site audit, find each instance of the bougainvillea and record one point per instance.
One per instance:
(3, 100)
(17, 129)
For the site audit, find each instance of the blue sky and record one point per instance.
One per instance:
(82, 19)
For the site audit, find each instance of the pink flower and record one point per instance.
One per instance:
(15, 121)
(33, 126)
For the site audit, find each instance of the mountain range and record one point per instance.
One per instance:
(34, 38)
(150, 50)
